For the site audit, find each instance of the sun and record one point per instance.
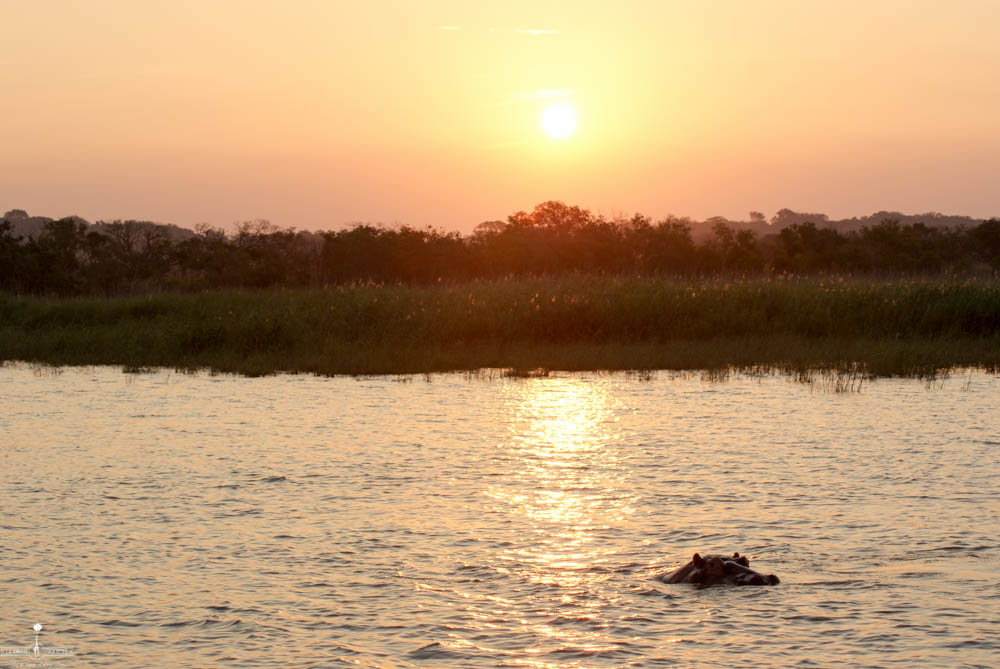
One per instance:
(559, 120)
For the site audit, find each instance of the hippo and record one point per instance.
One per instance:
(713, 569)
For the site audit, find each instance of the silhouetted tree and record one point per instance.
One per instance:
(12, 256)
(124, 257)
(986, 242)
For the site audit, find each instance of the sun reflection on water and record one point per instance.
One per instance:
(563, 472)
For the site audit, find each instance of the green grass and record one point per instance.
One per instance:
(910, 328)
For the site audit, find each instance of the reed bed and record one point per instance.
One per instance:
(909, 328)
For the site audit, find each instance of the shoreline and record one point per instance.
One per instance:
(872, 328)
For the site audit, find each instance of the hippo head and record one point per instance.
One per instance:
(709, 570)
(712, 569)
(740, 559)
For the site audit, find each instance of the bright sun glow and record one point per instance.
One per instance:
(559, 121)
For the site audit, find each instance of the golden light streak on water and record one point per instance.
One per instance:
(565, 479)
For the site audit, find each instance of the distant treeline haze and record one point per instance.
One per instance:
(70, 257)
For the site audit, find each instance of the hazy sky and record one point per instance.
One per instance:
(318, 114)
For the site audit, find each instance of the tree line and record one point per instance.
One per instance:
(127, 257)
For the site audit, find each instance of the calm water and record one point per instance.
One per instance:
(172, 520)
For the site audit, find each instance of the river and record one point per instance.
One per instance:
(181, 520)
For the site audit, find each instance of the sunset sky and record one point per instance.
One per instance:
(319, 114)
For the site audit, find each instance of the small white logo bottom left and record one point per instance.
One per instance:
(36, 650)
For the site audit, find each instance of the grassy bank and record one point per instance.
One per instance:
(888, 328)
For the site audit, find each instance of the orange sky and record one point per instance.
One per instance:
(318, 114)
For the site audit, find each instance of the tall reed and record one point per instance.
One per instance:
(577, 322)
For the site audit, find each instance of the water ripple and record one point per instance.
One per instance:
(300, 521)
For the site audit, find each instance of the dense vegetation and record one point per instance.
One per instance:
(573, 322)
(557, 288)
(129, 258)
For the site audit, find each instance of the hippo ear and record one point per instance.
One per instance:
(698, 560)
(736, 556)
